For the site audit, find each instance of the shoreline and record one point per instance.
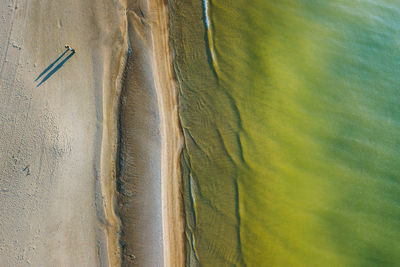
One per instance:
(172, 139)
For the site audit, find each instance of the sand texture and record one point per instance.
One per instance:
(172, 141)
(139, 170)
(51, 201)
(89, 170)
(150, 201)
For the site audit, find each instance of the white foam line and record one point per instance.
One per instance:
(205, 6)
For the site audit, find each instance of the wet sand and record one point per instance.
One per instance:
(172, 141)
(139, 170)
(59, 142)
(149, 172)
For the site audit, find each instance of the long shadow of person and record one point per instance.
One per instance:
(56, 68)
(52, 64)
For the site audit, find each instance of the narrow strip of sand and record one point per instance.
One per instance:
(115, 58)
(172, 140)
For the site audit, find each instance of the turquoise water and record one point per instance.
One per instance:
(290, 111)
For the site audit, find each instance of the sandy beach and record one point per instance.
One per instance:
(172, 140)
(150, 201)
(139, 169)
(88, 178)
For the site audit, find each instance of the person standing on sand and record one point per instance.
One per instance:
(68, 47)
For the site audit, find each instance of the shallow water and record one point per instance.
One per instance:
(291, 120)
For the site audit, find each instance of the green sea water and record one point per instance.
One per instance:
(291, 117)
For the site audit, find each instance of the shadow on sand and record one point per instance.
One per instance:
(56, 68)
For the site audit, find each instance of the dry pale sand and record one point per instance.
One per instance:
(59, 142)
(53, 198)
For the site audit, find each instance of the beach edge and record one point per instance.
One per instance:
(173, 218)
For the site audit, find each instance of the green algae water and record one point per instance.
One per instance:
(291, 117)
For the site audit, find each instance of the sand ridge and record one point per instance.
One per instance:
(112, 84)
(172, 139)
